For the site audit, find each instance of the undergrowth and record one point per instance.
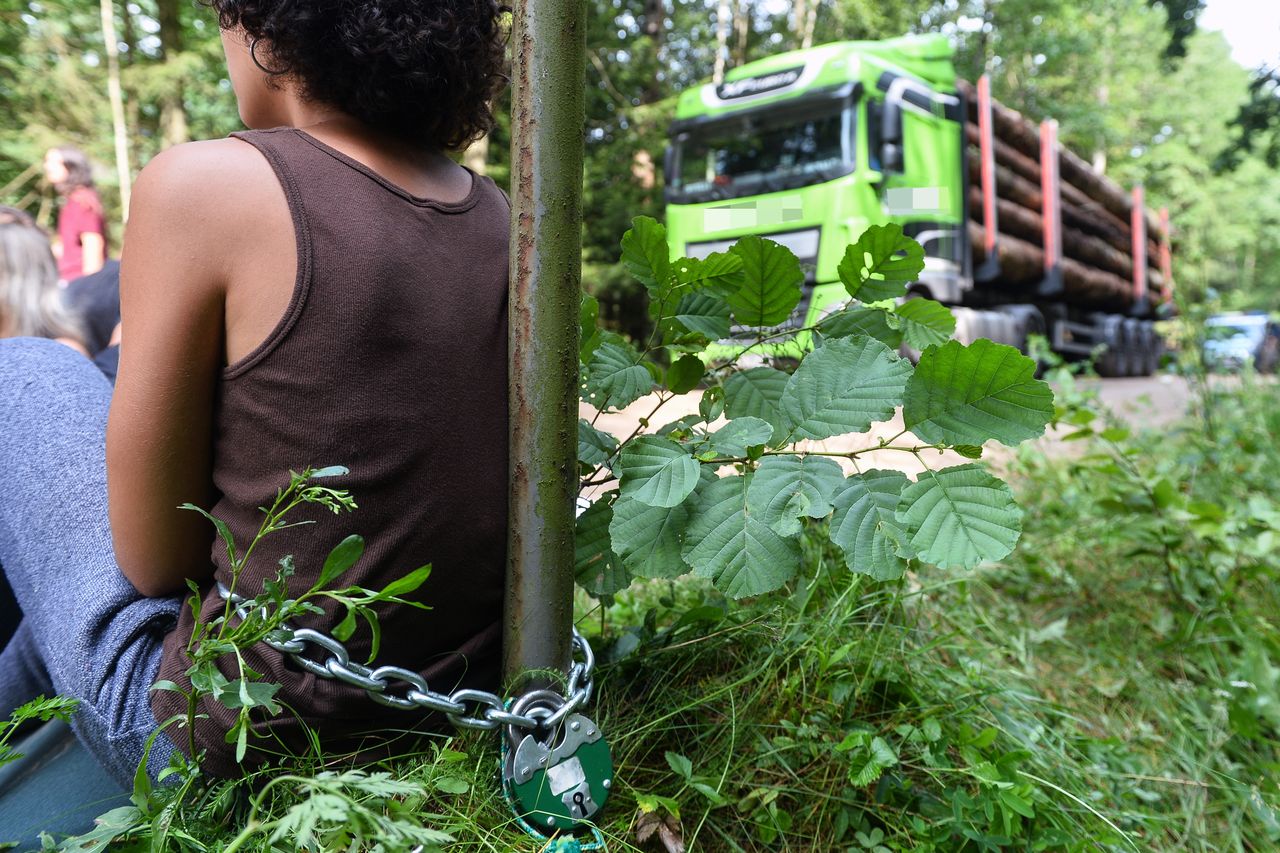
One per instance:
(1113, 685)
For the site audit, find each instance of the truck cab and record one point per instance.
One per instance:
(809, 148)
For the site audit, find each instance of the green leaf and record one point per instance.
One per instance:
(594, 445)
(738, 551)
(685, 374)
(711, 404)
(344, 629)
(737, 435)
(925, 322)
(224, 532)
(596, 567)
(341, 558)
(703, 314)
(785, 489)
(649, 538)
(843, 387)
(616, 378)
(861, 320)
(973, 394)
(757, 393)
(329, 471)
(452, 785)
(645, 254)
(679, 765)
(865, 524)
(881, 264)
(959, 517)
(719, 273)
(657, 471)
(243, 693)
(406, 584)
(772, 279)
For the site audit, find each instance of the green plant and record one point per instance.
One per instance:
(672, 513)
(258, 616)
(355, 806)
(41, 709)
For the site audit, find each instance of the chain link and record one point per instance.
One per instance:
(397, 687)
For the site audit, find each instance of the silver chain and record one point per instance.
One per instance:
(397, 687)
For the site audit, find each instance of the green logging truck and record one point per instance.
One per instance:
(811, 147)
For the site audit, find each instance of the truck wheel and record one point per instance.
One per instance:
(1114, 360)
(1136, 357)
(1151, 348)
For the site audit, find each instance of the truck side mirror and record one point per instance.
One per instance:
(668, 163)
(891, 159)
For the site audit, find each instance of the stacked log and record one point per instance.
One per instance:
(1096, 215)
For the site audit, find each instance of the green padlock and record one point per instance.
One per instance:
(561, 787)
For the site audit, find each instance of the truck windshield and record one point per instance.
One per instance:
(762, 151)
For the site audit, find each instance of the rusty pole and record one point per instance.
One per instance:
(548, 113)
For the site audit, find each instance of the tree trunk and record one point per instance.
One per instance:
(653, 26)
(724, 20)
(116, 97)
(173, 113)
(811, 21)
(800, 14)
(741, 28)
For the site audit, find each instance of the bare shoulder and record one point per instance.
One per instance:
(203, 179)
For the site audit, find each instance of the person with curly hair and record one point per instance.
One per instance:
(325, 288)
(82, 224)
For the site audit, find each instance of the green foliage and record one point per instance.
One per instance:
(40, 708)
(865, 524)
(924, 323)
(881, 264)
(770, 289)
(968, 395)
(959, 517)
(676, 509)
(843, 387)
(264, 613)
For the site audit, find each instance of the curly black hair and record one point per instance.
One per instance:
(424, 70)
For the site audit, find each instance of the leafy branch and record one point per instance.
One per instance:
(672, 513)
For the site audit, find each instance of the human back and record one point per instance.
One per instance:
(325, 290)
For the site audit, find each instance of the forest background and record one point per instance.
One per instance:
(1138, 89)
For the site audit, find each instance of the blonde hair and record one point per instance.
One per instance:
(31, 303)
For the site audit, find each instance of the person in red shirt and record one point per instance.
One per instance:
(82, 228)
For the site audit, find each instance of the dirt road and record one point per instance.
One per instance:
(1144, 403)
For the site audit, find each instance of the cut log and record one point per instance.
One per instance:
(1029, 225)
(1022, 134)
(1095, 220)
(1093, 215)
(1023, 263)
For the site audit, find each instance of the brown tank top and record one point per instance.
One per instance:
(391, 360)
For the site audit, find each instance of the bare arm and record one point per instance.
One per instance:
(159, 432)
(94, 252)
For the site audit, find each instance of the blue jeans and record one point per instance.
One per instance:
(85, 632)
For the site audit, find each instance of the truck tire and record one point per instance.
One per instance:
(1151, 348)
(1114, 360)
(1136, 360)
(1027, 321)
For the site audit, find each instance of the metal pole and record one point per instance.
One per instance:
(548, 114)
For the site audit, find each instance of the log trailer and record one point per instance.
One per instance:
(1021, 236)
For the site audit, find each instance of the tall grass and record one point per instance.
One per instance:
(1100, 690)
